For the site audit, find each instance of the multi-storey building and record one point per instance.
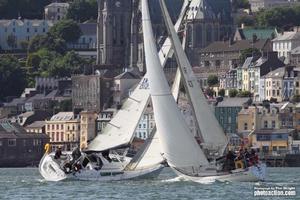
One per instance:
(257, 5)
(56, 11)
(146, 124)
(284, 44)
(87, 128)
(14, 32)
(64, 130)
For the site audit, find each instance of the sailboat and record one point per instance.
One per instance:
(179, 146)
(118, 134)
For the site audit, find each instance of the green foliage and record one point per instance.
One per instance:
(240, 4)
(65, 105)
(27, 9)
(233, 92)
(244, 93)
(67, 30)
(48, 42)
(82, 10)
(12, 78)
(281, 17)
(247, 20)
(212, 80)
(222, 92)
(248, 53)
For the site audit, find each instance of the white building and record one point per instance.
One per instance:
(285, 43)
(257, 5)
(13, 32)
(146, 124)
(56, 11)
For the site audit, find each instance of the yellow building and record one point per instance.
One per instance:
(63, 130)
(274, 84)
(246, 120)
(272, 141)
(88, 127)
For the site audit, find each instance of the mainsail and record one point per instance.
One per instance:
(178, 145)
(211, 131)
(120, 131)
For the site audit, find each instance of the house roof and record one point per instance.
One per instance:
(62, 116)
(225, 46)
(288, 36)
(277, 73)
(233, 102)
(26, 114)
(16, 101)
(57, 4)
(260, 33)
(88, 28)
(295, 51)
(127, 75)
(36, 124)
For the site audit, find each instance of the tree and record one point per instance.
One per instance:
(12, 41)
(249, 53)
(222, 92)
(82, 10)
(212, 80)
(247, 20)
(244, 93)
(68, 30)
(12, 77)
(233, 92)
(240, 4)
(47, 42)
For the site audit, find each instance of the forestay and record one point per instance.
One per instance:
(120, 131)
(211, 131)
(178, 145)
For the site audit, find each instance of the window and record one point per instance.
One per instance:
(57, 136)
(245, 126)
(144, 134)
(44, 30)
(61, 136)
(140, 135)
(273, 124)
(140, 125)
(12, 142)
(28, 30)
(265, 124)
(14, 30)
(144, 125)
(61, 126)
(35, 30)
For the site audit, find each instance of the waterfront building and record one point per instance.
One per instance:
(87, 127)
(14, 32)
(272, 141)
(63, 130)
(56, 11)
(227, 111)
(19, 148)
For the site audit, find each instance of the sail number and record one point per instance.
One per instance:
(144, 84)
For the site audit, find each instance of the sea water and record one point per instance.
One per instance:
(26, 183)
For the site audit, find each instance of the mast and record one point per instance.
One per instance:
(211, 131)
(120, 131)
(178, 144)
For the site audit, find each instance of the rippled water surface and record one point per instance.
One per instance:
(26, 183)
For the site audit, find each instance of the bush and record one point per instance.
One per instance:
(233, 92)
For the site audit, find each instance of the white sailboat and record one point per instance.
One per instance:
(119, 133)
(179, 146)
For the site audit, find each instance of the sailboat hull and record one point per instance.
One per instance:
(251, 174)
(51, 170)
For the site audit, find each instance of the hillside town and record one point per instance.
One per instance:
(66, 75)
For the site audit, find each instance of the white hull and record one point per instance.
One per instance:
(51, 171)
(252, 174)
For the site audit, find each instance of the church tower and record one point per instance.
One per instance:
(114, 24)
